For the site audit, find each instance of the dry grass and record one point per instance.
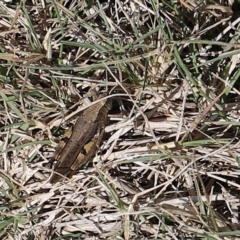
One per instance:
(169, 165)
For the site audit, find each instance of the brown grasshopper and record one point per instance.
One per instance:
(86, 137)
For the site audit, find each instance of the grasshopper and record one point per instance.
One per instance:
(83, 142)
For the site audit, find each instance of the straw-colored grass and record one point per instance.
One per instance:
(168, 167)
